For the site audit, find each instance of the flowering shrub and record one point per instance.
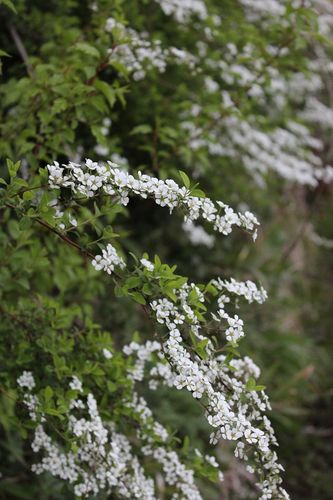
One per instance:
(166, 98)
(185, 356)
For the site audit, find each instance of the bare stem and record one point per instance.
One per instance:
(21, 48)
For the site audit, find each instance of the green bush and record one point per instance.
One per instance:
(123, 374)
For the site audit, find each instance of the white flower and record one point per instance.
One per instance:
(26, 380)
(108, 260)
(76, 384)
(107, 354)
(117, 182)
(147, 264)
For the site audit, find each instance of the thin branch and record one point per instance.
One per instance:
(64, 238)
(21, 49)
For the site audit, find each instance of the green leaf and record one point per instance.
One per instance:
(251, 385)
(210, 288)
(55, 413)
(9, 4)
(198, 193)
(13, 167)
(147, 289)
(106, 90)
(186, 444)
(48, 393)
(132, 282)
(4, 54)
(59, 105)
(87, 49)
(25, 222)
(28, 196)
(157, 262)
(141, 129)
(200, 348)
(138, 297)
(185, 179)
(14, 229)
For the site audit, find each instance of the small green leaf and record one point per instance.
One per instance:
(157, 262)
(48, 393)
(251, 385)
(28, 195)
(4, 54)
(55, 413)
(25, 222)
(107, 91)
(14, 229)
(185, 179)
(88, 49)
(138, 297)
(186, 444)
(198, 193)
(141, 129)
(13, 167)
(132, 282)
(200, 348)
(9, 4)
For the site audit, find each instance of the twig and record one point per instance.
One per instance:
(64, 238)
(21, 49)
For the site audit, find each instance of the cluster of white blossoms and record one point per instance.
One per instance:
(186, 359)
(235, 407)
(139, 55)
(256, 9)
(249, 291)
(184, 10)
(290, 149)
(108, 260)
(26, 380)
(263, 10)
(175, 473)
(147, 264)
(91, 178)
(287, 151)
(246, 289)
(197, 234)
(104, 460)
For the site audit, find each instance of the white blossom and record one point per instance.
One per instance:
(108, 260)
(26, 380)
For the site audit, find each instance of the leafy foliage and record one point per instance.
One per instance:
(229, 98)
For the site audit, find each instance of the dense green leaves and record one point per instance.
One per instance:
(69, 95)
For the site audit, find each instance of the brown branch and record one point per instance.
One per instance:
(21, 49)
(64, 238)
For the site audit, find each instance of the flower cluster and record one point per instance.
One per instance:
(138, 54)
(147, 264)
(108, 260)
(183, 11)
(197, 234)
(175, 473)
(290, 149)
(246, 289)
(256, 9)
(235, 407)
(26, 380)
(91, 178)
(287, 151)
(104, 461)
